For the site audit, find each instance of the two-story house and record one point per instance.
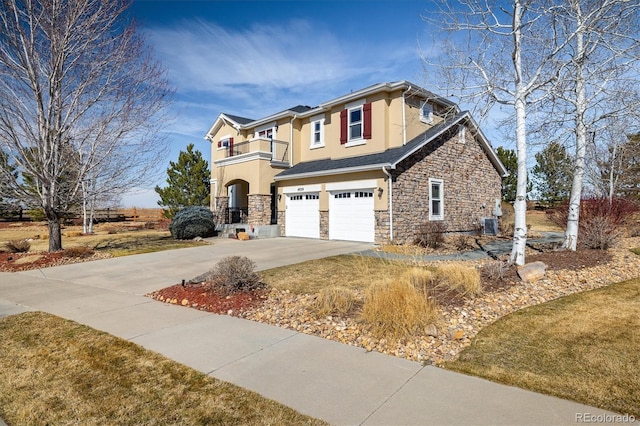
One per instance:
(367, 166)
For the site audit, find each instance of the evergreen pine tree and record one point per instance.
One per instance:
(553, 174)
(188, 183)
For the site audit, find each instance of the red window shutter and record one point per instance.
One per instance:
(219, 144)
(366, 110)
(230, 147)
(343, 126)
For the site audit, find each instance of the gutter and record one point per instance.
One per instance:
(390, 181)
(366, 168)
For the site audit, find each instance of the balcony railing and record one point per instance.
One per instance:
(279, 149)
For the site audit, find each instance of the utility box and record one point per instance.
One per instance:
(490, 226)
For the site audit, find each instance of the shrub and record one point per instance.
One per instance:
(463, 242)
(495, 270)
(192, 222)
(17, 246)
(36, 215)
(73, 234)
(600, 220)
(462, 279)
(397, 310)
(430, 234)
(236, 274)
(335, 300)
(79, 252)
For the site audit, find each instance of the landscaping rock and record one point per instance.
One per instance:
(431, 330)
(532, 271)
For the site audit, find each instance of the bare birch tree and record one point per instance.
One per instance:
(599, 70)
(81, 99)
(495, 56)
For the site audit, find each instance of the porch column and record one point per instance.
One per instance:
(259, 209)
(220, 215)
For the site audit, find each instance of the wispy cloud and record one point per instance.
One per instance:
(271, 62)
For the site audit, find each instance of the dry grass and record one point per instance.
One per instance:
(537, 221)
(131, 238)
(582, 347)
(56, 371)
(397, 310)
(335, 300)
(350, 271)
(459, 278)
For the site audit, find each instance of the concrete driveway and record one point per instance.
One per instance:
(338, 383)
(144, 273)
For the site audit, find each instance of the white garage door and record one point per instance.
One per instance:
(351, 215)
(302, 217)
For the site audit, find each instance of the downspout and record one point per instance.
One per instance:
(291, 139)
(404, 117)
(389, 180)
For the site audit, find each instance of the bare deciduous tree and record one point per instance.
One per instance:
(494, 56)
(81, 99)
(598, 72)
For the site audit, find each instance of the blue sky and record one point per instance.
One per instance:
(254, 58)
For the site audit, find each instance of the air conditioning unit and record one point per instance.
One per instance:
(489, 226)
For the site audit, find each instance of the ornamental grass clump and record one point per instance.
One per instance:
(397, 310)
(17, 246)
(78, 252)
(335, 300)
(461, 279)
(192, 222)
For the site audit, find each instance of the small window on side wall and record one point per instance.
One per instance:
(426, 112)
(462, 133)
(436, 199)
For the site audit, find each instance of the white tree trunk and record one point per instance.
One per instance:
(571, 234)
(520, 204)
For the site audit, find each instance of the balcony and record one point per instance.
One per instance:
(277, 152)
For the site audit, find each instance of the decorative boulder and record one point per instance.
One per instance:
(192, 222)
(532, 271)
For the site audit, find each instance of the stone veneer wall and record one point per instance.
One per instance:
(469, 181)
(324, 224)
(281, 222)
(259, 209)
(220, 214)
(382, 226)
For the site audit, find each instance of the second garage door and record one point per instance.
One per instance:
(351, 215)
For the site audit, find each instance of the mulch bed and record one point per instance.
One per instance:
(201, 296)
(10, 262)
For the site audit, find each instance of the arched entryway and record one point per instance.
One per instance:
(238, 191)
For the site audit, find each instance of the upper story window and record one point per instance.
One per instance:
(266, 134)
(355, 123)
(426, 112)
(225, 142)
(317, 131)
(267, 131)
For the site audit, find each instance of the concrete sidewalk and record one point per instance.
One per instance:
(335, 382)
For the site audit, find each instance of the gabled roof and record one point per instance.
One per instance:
(238, 119)
(391, 157)
(301, 111)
